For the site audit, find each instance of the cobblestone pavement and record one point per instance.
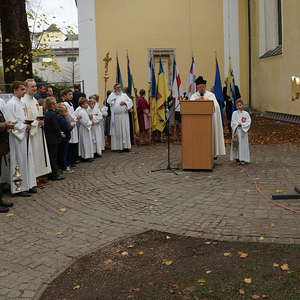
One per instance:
(118, 195)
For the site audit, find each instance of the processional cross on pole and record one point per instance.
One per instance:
(106, 59)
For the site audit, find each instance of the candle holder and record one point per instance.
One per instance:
(40, 118)
(28, 134)
(17, 179)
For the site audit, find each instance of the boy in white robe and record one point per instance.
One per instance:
(85, 147)
(240, 124)
(67, 95)
(97, 135)
(38, 143)
(20, 146)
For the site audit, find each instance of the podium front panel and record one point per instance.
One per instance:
(197, 134)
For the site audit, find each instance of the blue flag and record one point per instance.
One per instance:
(218, 90)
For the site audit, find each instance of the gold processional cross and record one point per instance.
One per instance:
(107, 59)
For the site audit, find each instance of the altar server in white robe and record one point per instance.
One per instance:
(240, 124)
(85, 147)
(97, 135)
(20, 146)
(203, 94)
(119, 103)
(72, 119)
(38, 142)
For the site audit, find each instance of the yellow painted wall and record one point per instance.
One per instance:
(271, 77)
(138, 25)
(48, 36)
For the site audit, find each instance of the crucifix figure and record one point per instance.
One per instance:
(107, 59)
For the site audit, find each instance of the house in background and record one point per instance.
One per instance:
(52, 34)
(261, 36)
(66, 56)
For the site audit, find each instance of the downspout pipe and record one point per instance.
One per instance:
(249, 50)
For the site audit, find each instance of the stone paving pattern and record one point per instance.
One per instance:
(115, 196)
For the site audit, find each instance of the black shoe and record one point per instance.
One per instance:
(89, 160)
(6, 204)
(77, 162)
(242, 162)
(3, 209)
(237, 161)
(58, 178)
(126, 150)
(73, 166)
(32, 191)
(23, 194)
(97, 155)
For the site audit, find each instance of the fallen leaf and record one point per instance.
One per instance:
(76, 287)
(32, 244)
(275, 265)
(172, 291)
(187, 177)
(168, 237)
(241, 214)
(264, 296)
(72, 199)
(69, 229)
(202, 284)
(240, 252)
(167, 262)
(130, 246)
(227, 254)
(9, 215)
(175, 287)
(140, 253)
(209, 176)
(261, 238)
(247, 280)
(242, 171)
(58, 232)
(119, 251)
(284, 267)
(244, 255)
(155, 200)
(151, 207)
(255, 297)
(207, 243)
(124, 253)
(62, 209)
(208, 272)
(198, 224)
(77, 192)
(11, 253)
(279, 191)
(201, 281)
(108, 261)
(241, 291)
(259, 189)
(272, 224)
(135, 290)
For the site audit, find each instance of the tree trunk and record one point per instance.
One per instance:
(16, 43)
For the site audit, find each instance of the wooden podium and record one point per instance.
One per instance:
(197, 134)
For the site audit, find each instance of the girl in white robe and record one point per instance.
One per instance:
(240, 124)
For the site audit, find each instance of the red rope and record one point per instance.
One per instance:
(298, 212)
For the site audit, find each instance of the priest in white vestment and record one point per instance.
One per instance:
(119, 103)
(38, 143)
(20, 147)
(203, 94)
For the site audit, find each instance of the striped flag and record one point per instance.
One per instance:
(153, 107)
(161, 96)
(218, 91)
(119, 76)
(131, 94)
(177, 90)
(191, 87)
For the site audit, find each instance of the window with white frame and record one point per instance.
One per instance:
(270, 28)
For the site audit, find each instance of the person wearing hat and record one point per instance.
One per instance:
(203, 94)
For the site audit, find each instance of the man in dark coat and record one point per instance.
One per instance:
(4, 149)
(228, 102)
(76, 95)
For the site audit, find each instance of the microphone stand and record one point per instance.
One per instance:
(167, 128)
